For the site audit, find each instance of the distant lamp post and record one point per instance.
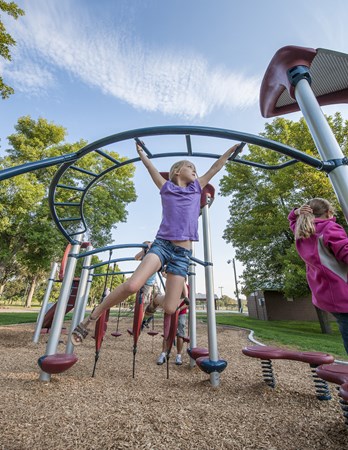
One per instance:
(240, 308)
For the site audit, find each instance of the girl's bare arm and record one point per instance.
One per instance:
(218, 165)
(155, 175)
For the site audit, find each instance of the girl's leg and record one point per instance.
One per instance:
(174, 287)
(148, 266)
(179, 344)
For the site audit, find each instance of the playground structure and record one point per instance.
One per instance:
(297, 79)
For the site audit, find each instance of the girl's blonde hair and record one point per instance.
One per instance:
(305, 226)
(176, 168)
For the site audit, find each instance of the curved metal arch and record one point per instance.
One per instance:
(112, 261)
(186, 131)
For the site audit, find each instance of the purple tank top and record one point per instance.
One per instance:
(180, 211)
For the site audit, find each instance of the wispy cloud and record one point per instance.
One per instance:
(51, 38)
(30, 78)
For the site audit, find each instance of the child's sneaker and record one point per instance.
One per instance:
(161, 359)
(178, 360)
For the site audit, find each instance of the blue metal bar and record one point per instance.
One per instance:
(188, 144)
(107, 262)
(72, 188)
(29, 167)
(70, 219)
(202, 263)
(88, 172)
(104, 249)
(143, 146)
(107, 156)
(66, 204)
(112, 273)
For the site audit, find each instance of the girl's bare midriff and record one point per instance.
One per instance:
(184, 244)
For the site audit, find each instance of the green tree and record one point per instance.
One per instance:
(7, 41)
(30, 242)
(261, 200)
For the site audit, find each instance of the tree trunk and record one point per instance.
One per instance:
(324, 321)
(2, 287)
(31, 292)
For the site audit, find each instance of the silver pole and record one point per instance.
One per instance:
(240, 309)
(192, 308)
(86, 296)
(324, 139)
(41, 315)
(209, 286)
(79, 309)
(62, 302)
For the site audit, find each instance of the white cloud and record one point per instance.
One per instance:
(149, 79)
(29, 77)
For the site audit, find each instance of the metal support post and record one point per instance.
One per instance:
(240, 309)
(79, 309)
(192, 308)
(86, 296)
(62, 302)
(43, 310)
(209, 285)
(325, 141)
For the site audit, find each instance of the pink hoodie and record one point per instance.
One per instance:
(326, 256)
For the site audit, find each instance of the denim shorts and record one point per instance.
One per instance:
(175, 258)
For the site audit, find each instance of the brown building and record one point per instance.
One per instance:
(270, 304)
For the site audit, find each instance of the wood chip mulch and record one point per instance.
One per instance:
(115, 411)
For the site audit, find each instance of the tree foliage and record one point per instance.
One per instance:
(261, 200)
(30, 241)
(7, 41)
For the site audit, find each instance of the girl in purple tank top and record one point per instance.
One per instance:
(180, 197)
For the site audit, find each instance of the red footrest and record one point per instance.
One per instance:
(197, 352)
(57, 363)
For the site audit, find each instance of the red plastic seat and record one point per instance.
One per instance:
(335, 373)
(116, 334)
(264, 352)
(57, 363)
(197, 352)
(152, 333)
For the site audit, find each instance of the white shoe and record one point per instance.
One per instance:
(161, 359)
(178, 360)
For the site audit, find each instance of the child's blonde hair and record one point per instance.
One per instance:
(176, 168)
(305, 222)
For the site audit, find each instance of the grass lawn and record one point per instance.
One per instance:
(305, 336)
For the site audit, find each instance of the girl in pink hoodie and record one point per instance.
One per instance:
(323, 245)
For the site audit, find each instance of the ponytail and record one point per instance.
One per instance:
(305, 225)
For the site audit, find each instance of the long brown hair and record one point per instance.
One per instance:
(305, 226)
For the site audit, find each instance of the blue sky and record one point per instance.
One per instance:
(102, 67)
